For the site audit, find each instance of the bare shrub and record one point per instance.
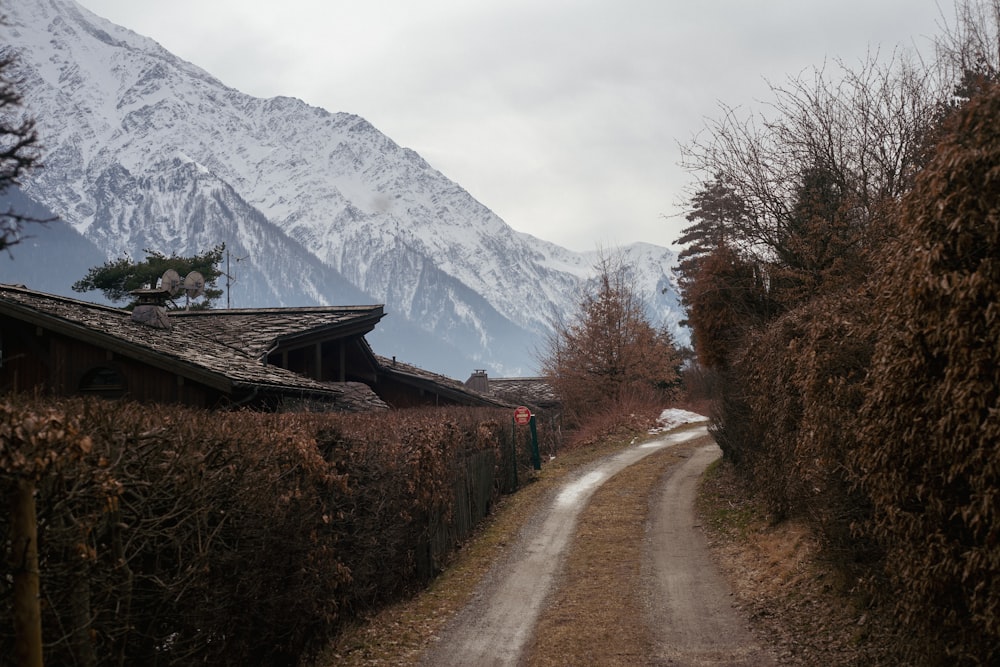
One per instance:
(632, 413)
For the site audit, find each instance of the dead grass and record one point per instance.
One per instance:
(797, 603)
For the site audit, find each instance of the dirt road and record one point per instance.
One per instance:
(690, 612)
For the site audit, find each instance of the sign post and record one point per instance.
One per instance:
(522, 417)
(536, 458)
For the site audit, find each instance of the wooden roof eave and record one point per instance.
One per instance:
(440, 389)
(125, 348)
(356, 327)
(369, 359)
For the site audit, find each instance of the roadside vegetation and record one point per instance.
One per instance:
(798, 602)
(399, 633)
(841, 280)
(609, 365)
(184, 536)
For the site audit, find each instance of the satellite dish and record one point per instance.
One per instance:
(194, 284)
(171, 281)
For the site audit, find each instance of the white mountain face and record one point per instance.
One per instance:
(144, 150)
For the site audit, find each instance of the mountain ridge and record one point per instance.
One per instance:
(146, 150)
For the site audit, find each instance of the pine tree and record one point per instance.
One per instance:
(117, 278)
(716, 211)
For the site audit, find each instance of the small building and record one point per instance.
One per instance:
(534, 392)
(402, 385)
(265, 358)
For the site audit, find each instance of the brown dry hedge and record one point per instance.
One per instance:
(173, 536)
(931, 460)
(874, 412)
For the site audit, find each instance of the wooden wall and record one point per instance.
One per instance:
(34, 359)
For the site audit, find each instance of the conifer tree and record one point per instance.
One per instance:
(716, 210)
(610, 352)
(117, 278)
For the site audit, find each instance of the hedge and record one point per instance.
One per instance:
(173, 536)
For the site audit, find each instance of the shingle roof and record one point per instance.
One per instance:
(223, 349)
(524, 391)
(254, 331)
(442, 384)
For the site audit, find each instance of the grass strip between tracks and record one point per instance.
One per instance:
(598, 615)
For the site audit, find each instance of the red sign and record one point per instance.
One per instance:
(522, 415)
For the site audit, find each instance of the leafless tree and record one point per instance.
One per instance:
(19, 150)
(862, 128)
(968, 49)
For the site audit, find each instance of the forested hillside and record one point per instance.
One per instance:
(842, 282)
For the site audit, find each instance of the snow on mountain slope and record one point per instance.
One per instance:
(145, 150)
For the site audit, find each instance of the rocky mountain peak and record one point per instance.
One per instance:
(144, 150)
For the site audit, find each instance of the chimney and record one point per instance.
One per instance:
(478, 381)
(152, 307)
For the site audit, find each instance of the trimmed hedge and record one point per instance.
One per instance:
(184, 537)
(808, 371)
(931, 417)
(875, 412)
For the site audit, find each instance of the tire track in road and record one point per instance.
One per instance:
(691, 610)
(494, 628)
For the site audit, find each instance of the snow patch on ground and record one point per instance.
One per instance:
(673, 417)
(573, 491)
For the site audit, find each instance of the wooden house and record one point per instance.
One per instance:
(402, 385)
(268, 358)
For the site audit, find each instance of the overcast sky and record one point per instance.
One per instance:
(562, 116)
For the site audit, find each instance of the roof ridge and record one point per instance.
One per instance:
(23, 289)
(285, 310)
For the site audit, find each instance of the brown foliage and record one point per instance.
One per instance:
(187, 537)
(610, 353)
(866, 397)
(726, 299)
(630, 414)
(789, 211)
(932, 414)
(873, 413)
(33, 442)
(807, 372)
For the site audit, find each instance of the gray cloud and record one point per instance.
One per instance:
(564, 117)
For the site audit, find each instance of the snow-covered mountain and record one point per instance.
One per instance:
(144, 150)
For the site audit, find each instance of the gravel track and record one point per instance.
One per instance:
(689, 604)
(692, 607)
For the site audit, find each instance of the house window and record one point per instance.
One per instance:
(104, 381)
